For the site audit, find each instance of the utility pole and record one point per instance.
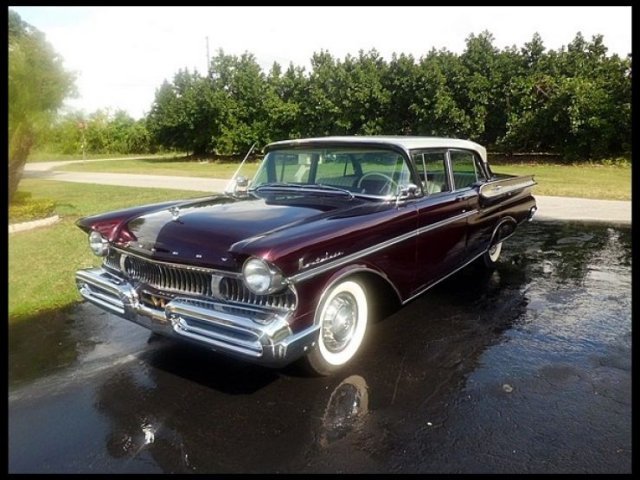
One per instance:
(208, 58)
(82, 125)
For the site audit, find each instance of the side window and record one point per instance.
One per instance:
(431, 167)
(465, 167)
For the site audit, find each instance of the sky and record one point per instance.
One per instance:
(121, 55)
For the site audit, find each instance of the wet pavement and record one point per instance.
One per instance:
(526, 369)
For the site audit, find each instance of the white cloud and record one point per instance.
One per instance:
(123, 54)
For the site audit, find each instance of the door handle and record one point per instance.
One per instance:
(460, 198)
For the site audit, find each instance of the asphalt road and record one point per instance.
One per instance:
(525, 370)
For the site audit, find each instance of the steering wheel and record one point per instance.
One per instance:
(388, 186)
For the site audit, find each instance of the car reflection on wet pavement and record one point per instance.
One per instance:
(526, 369)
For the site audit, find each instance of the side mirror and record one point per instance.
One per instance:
(409, 190)
(240, 184)
(405, 192)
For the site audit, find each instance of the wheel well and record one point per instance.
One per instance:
(382, 297)
(503, 230)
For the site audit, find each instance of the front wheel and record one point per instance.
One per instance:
(343, 317)
(491, 256)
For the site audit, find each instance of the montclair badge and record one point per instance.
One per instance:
(318, 260)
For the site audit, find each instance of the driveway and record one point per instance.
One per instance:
(523, 370)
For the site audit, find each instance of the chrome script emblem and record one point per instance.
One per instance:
(318, 260)
(175, 213)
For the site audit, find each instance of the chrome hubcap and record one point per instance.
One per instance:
(339, 322)
(494, 251)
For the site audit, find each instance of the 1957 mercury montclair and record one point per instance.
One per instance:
(292, 264)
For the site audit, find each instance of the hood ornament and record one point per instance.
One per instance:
(175, 213)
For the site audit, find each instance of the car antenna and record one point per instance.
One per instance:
(231, 184)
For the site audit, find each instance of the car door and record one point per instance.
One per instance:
(442, 219)
(468, 175)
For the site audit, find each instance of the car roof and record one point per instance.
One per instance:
(404, 142)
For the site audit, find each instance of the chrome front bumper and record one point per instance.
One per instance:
(246, 332)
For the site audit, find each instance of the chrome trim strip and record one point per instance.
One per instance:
(299, 277)
(505, 186)
(442, 223)
(441, 279)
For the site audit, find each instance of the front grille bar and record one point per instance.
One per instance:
(190, 281)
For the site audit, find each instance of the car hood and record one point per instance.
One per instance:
(202, 232)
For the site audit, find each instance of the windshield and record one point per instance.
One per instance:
(359, 171)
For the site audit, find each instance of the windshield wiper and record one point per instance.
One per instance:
(275, 185)
(320, 186)
(307, 186)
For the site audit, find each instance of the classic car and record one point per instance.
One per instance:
(293, 264)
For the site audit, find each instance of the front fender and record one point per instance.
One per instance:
(312, 292)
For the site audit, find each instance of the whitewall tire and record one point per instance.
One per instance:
(343, 317)
(492, 255)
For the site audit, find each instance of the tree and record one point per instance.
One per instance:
(38, 84)
(575, 101)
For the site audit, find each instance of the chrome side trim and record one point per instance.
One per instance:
(299, 277)
(442, 223)
(505, 186)
(441, 279)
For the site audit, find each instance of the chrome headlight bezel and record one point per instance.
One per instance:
(262, 278)
(98, 244)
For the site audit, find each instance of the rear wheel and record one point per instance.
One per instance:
(343, 317)
(491, 256)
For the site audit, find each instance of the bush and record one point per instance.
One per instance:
(24, 208)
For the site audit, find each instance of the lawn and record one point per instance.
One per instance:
(42, 262)
(610, 182)
(166, 166)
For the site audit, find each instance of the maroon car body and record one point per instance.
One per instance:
(293, 265)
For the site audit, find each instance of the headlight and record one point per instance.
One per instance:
(98, 244)
(261, 278)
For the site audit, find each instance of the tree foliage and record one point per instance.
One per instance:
(102, 131)
(575, 101)
(37, 84)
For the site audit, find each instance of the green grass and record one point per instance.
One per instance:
(166, 166)
(55, 157)
(608, 182)
(42, 262)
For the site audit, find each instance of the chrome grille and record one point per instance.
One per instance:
(187, 280)
(112, 260)
(194, 281)
(234, 290)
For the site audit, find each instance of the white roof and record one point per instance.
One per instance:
(405, 142)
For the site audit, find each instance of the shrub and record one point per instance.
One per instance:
(24, 208)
